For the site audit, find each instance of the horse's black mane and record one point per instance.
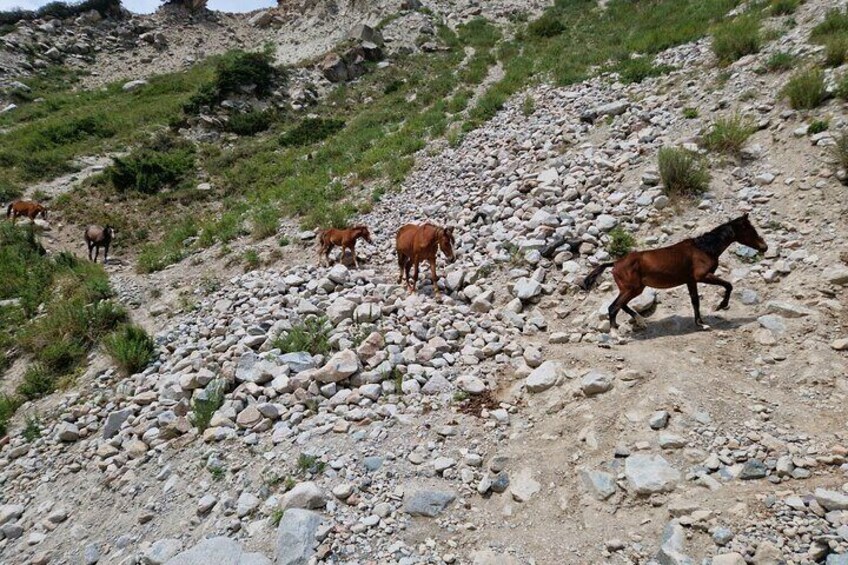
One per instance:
(716, 240)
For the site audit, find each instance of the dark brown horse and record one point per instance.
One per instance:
(97, 237)
(689, 262)
(26, 208)
(416, 243)
(344, 238)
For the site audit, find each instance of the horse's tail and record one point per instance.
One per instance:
(589, 282)
(9, 210)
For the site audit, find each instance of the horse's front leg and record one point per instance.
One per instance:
(696, 304)
(433, 276)
(710, 278)
(352, 247)
(105, 253)
(96, 252)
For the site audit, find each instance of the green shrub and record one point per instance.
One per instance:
(682, 172)
(546, 26)
(834, 24)
(130, 348)
(528, 106)
(37, 382)
(32, 430)
(8, 406)
(621, 242)
(166, 161)
(817, 126)
(637, 69)
(393, 86)
(690, 113)
(61, 10)
(238, 70)
(783, 7)
(251, 260)
(311, 130)
(736, 38)
(311, 336)
(780, 61)
(836, 51)
(74, 130)
(250, 123)
(204, 407)
(842, 87)
(265, 222)
(806, 89)
(728, 134)
(839, 151)
(172, 249)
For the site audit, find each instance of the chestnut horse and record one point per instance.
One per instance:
(97, 237)
(344, 238)
(26, 208)
(416, 243)
(689, 262)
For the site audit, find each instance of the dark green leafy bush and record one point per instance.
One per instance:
(311, 130)
(166, 161)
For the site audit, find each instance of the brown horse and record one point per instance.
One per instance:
(344, 238)
(97, 237)
(689, 262)
(26, 208)
(416, 243)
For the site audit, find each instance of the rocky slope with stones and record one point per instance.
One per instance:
(500, 423)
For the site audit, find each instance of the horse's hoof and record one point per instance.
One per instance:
(723, 306)
(704, 327)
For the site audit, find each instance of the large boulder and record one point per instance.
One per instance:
(304, 495)
(428, 503)
(334, 68)
(544, 376)
(296, 536)
(365, 33)
(220, 551)
(649, 474)
(340, 366)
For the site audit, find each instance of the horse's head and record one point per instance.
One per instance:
(362, 231)
(746, 234)
(109, 231)
(43, 211)
(446, 242)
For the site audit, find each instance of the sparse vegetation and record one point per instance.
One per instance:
(834, 24)
(728, 134)
(690, 113)
(165, 161)
(8, 406)
(839, 151)
(683, 173)
(310, 131)
(265, 222)
(733, 39)
(836, 51)
(250, 123)
(621, 242)
(32, 428)
(548, 25)
(311, 336)
(528, 106)
(310, 464)
(37, 382)
(251, 260)
(130, 348)
(806, 89)
(235, 72)
(60, 10)
(780, 61)
(203, 407)
(637, 69)
(783, 7)
(818, 126)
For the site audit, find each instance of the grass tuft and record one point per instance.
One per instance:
(682, 172)
(165, 161)
(621, 242)
(204, 407)
(311, 336)
(310, 131)
(733, 39)
(806, 89)
(839, 151)
(780, 61)
(729, 134)
(130, 348)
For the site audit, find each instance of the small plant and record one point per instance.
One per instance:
(839, 151)
(289, 484)
(728, 134)
(264, 222)
(835, 23)
(217, 473)
(842, 87)
(276, 516)
(130, 348)
(284, 241)
(205, 406)
(683, 173)
(312, 336)
(460, 396)
(818, 126)
(836, 51)
(311, 130)
(393, 86)
(783, 7)
(37, 382)
(806, 89)
(310, 464)
(736, 38)
(528, 106)
(546, 26)
(620, 243)
(249, 123)
(637, 69)
(516, 259)
(32, 429)
(780, 61)
(251, 260)
(8, 405)
(690, 113)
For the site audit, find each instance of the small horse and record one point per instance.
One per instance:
(344, 238)
(97, 237)
(416, 243)
(689, 262)
(26, 208)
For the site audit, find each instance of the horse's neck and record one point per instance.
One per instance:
(717, 241)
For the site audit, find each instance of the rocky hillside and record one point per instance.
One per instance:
(303, 414)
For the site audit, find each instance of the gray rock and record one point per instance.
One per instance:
(671, 549)
(367, 313)
(372, 463)
(524, 486)
(68, 432)
(599, 483)
(296, 536)
(722, 536)
(837, 559)
(544, 376)
(471, 384)
(340, 366)
(304, 495)
(612, 109)
(649, 474)
(298, 362)
(527, 289)
(658, 420)
(161, 551)
(831, 499)
(436, 384)
(133, 85)
(429, 503)
(339, 274)
(788, 309)
(500, 483)
(753, 469)
(837, 274)
(91, 554)
(595, 382)
(10, 512)
(220, 551)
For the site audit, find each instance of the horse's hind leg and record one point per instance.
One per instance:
(696, 304)
(96, 252)
(728, 288)
(401, 266)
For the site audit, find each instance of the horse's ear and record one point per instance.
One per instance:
(745, 215)
(449, 230)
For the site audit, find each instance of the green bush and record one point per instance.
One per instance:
(637, 69)
(783, 7)
(817, 126)
(728, 134)
(311, 130)
(37, 382)
(236, 72)
(806, 89)
(736, 38)
(546, 26)
(130, 348)
(204, 407)
(73, 131)
(166, 161)
(250, 123)
(682, 172)
(690, 113)
(265, 222)
(311, 336)
(834, 24)
(251, 260)
(621, 242)
(61, 10)
(32, 430)
(842, 87)
(8, 406)
(780, 61)
(528, 106)
(836, 51)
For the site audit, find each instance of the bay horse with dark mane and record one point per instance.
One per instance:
(689, 262)
(416, 243)
(26, 208)
(344, 238)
